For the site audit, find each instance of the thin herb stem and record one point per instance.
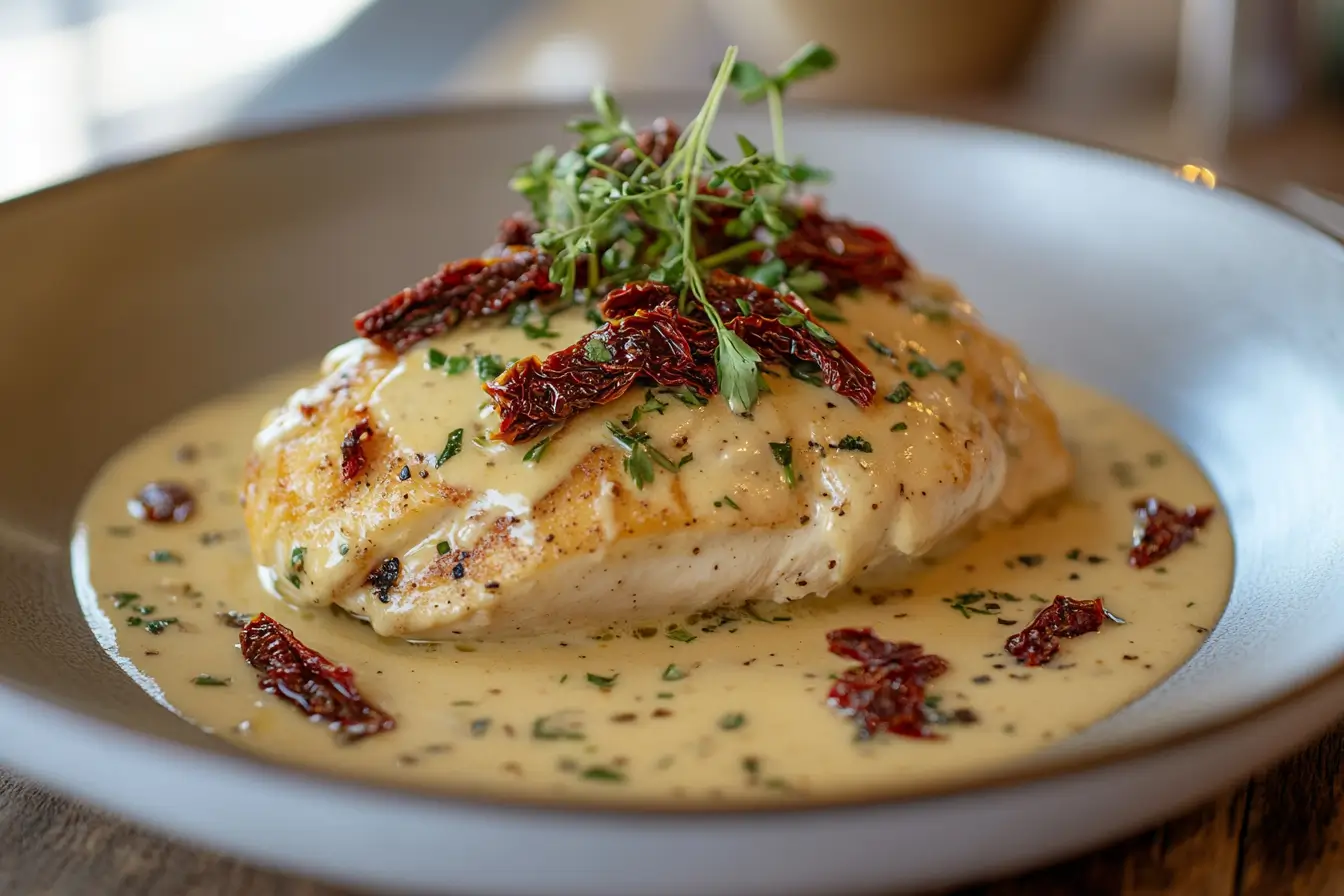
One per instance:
(775, 99)
(709, 262)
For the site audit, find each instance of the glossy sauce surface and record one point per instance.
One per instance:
(726, 708)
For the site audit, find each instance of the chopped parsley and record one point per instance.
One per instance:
(209, 681)
(156, 626)
(899, 427)
(726, 501)
(673, 673)
(602, 773)
(783, 452)
(546, 728)
(877, 346)
(121, 598)
(855, 443)
(457, 364)
(436, 359)
(680, 634)
(603, 681)
(651, 405)
(921, 367)
(296, 557)
(537, 450)
(443, 547)
(595, 349)
(686, 396)
(539, 331)
(488, 367)
(732, 721)
(344, 549)
(901, 393)
(159, 556)
(640, 455)
(451, 448)
(807, 372)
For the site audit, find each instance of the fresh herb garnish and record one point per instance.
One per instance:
(546, 728)
(160, 556)
(640, 455)
(783, 452)
(726, 501)
(210, 681)
(684, 395)
(673, 673)
(680, 634)
(901, 393)
(732, 721)
(539, 331)
(296, 557)
(156, 626)
(855, 443)
(602, 681)
(436, 359)
(443, 547)
(537, 450)
(595, 349)
(451, 448)
(457, 364)
(121, 598)
(651, 405)
(899, 427)
(602, 773)
(807, 372)
(488, 367)
(879, 347)
(921, 367)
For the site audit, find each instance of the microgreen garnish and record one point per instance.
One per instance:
(783, 452)
(855, 443)
(537, 450)
(638, 221)
(451, 448)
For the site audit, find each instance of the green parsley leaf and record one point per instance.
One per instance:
(488, 367)
(807, 372)
(602, 681)
(121, 598)
(732, 721)
(783, 452)
(451, 448)
(436, 359)
(855, 443)
(210, 681)
(595, 349)
(899, 427)
(737, 364)
(534, 453)
(686, 396)
(539, 331)
(457, 364)
(680, 634)
(901, 393)
(602, 773)
(673, 673)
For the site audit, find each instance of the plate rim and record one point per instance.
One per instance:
(19, 702)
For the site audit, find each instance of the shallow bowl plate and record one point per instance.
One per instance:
(138, 292)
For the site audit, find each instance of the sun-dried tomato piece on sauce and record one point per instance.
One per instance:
(472, 287)
(352, 450)
(850, 255)
(845, 374)
(1038, 643)
(515, 231)
(658, 345)
(886, 691)
(1159, 529)
(162, 502)
(302, 676)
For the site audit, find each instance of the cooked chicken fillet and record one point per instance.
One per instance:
(494, 542)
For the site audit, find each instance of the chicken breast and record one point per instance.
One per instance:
(805, 494)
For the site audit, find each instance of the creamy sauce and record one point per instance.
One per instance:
(736, 715)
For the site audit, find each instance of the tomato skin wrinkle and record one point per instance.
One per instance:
(851, 256)
(295, 673)
(458, 291)
(886, 691)
(1038, 643)
(1160, 529)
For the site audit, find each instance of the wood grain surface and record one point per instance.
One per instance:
(1279, 833)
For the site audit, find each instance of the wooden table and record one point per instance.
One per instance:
(1279, 833)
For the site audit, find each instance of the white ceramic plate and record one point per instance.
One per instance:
(137, 292)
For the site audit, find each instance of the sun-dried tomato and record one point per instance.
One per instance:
(848, 254)
(886, 691)
(515, 230)
(801, 338)
(658, 345)
(1159, 529)
(472, 287)
(302, 676)
(352, 450)
(1038, 643)
(655, 143)
(162, 502)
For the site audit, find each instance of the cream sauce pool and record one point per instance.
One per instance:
(736, 715)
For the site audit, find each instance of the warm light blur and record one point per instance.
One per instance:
(1198, 174)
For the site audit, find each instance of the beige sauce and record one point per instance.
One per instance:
(747, 720)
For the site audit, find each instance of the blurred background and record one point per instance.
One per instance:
(1251, 89)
